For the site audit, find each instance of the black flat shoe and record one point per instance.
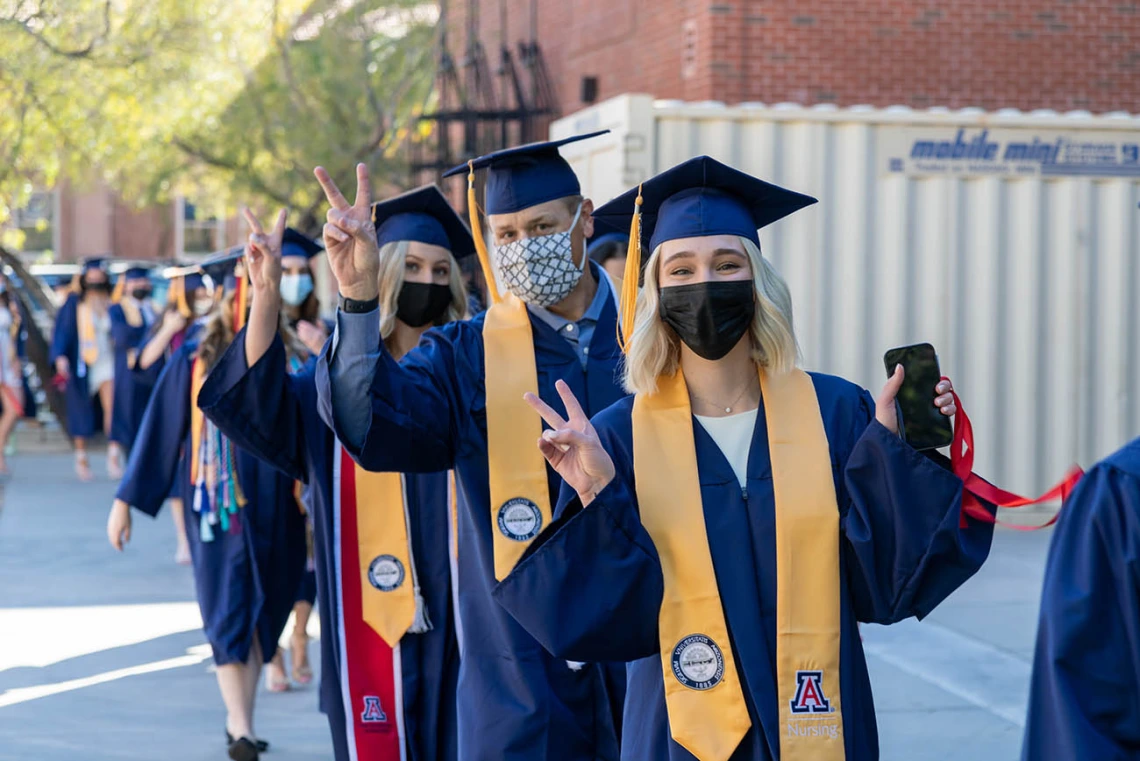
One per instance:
(243, 750)
(262, 746)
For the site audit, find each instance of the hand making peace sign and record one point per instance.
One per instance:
(572, 446)
(350, 237)
(263, 253)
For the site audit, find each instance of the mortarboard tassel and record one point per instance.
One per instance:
(120, 289)
(627, 310)
(241, 299)
(477, 234)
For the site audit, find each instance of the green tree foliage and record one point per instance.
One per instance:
(220, 101)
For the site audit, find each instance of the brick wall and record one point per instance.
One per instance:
(1026, 54)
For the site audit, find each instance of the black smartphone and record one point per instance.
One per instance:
(921, 424)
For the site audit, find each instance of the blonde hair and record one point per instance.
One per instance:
(393, 257)
(219, 334)
(655, 349)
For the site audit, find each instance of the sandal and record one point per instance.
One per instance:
(275, 679)
(302, 672)
(83, 469)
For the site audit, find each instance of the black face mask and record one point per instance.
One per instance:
(140, 293)
(709, 317)
(422, 303)
(97, 287)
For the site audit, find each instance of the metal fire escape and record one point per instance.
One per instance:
(479, 110)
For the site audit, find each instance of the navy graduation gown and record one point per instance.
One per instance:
(246, 580)
(274, 415)
(83, 410)
(1083, 697)
(591, 585)
(130, 399)
(516, 701)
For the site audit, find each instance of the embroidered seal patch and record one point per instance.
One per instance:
(520, 519)
(698, 662)
(386, 573)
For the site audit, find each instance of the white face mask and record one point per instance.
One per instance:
(541, 270)
(203, 307)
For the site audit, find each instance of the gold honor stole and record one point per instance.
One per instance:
(88, 346)
(520, 495)
(703, 695)
(390, 601)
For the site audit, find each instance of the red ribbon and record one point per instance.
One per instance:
(962, 463)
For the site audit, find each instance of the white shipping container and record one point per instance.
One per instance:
(1009, 241)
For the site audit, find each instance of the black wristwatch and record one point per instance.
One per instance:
(352, 306)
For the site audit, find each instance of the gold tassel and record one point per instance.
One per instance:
(240, 302)
(628, 306)
(120, 289)
(477, 234)
(177, 294)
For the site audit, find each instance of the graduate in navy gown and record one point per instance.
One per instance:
(81, 353)
(246, 530)
(302, 311)
(432, 411)
(275, 416)
(132, 319)
(680, 561)
(1083, 697)
(189, 303)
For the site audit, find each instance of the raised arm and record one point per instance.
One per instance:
(390, 417)
(155, 347)
(900, 509)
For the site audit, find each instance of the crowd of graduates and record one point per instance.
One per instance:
(591, 510)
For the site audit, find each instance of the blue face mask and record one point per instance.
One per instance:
(296, 288)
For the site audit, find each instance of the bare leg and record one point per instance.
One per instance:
(114, 450)
(232, 681)
(302, 671)
(182, 554)
(82, 466)
(253, 673)
(13, 410)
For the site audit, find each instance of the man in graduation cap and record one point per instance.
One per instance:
(132, 318)
(456, 401)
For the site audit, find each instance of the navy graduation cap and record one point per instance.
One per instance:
(136, 273)
(527, 175)
(694, 199)
(698, 198)
(422, 215)
(95, 263)
(294, 243)
(220, 267)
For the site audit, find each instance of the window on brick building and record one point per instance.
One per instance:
(689, 49)
(197, 230)
(36, 223)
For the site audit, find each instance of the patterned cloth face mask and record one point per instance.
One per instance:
(541, 270)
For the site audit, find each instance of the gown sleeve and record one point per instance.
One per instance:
(120, 330)
(410, 426)
(1083, 695)
(589, 588)
(64, 334)
(155, 456)
(899, 517)
(258, 408)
